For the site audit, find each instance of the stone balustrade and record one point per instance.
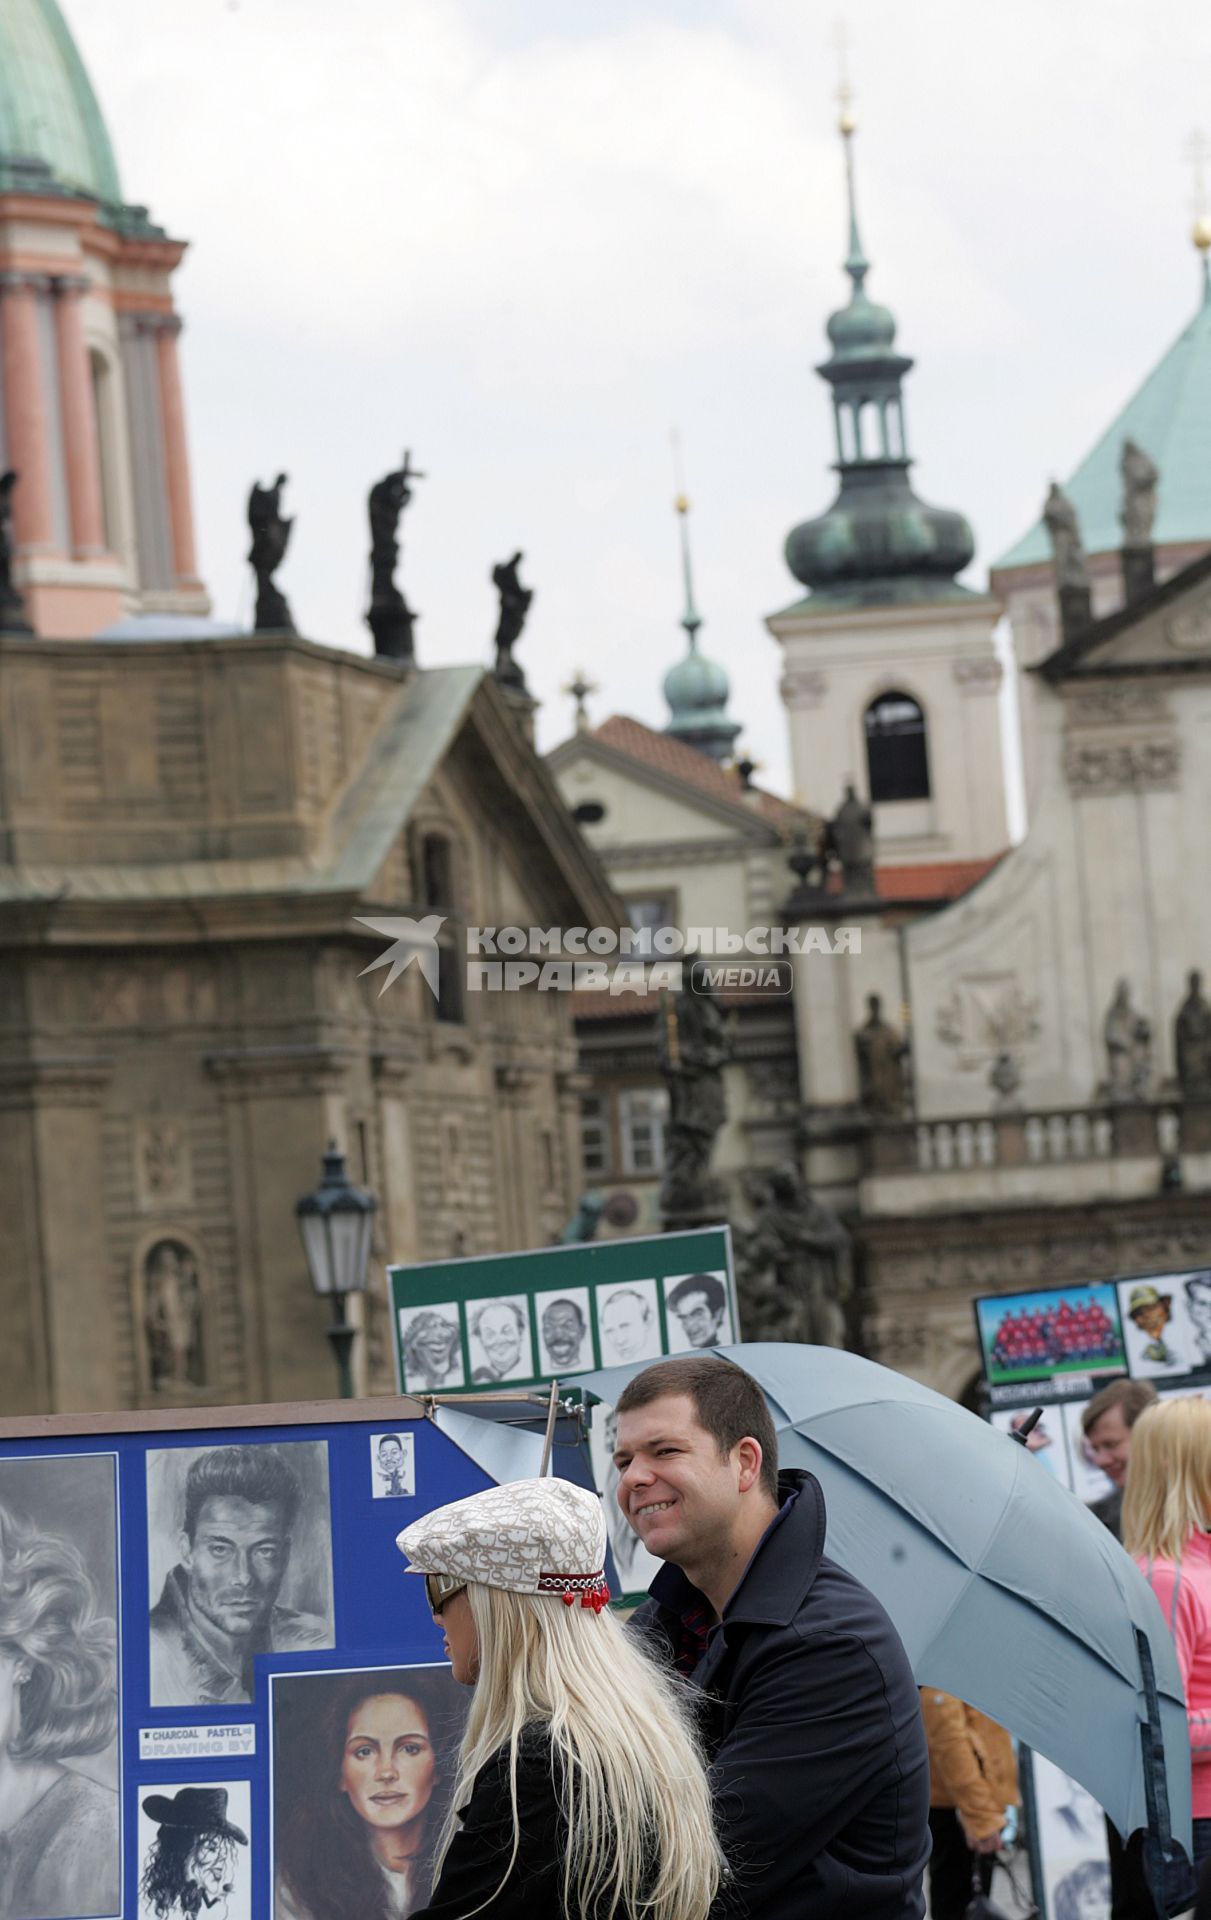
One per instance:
(1039, 1137)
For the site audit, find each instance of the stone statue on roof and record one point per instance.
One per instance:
(390, 618)
(1138, 510)
(270, 538)
(881, 1057)
(849, 838)
(12, 606)
(515, 602)
(1127, 1037)
(1192, 1041)
(1064, 530)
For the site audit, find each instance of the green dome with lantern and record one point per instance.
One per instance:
(877, 544)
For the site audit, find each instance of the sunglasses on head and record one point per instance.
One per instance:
(440, 1587)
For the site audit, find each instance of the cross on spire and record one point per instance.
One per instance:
(691, 619)
(580, 688)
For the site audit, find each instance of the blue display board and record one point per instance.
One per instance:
(215, 1673)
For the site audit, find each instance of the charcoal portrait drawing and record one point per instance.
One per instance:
(240, 1562)
(363, 1770)
(59, 1809)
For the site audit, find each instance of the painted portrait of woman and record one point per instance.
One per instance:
(59, 1829)
(363, 1769)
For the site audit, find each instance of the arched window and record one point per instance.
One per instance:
(897, 757)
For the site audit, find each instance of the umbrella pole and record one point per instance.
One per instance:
(1159, 1850)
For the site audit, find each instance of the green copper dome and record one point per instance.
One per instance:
(693, 687)
(1170, 418)
(48, 110)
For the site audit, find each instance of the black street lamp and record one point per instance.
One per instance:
(336, 1222)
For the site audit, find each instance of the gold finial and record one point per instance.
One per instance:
(681, 499)
(1198, 152)
(846, 123)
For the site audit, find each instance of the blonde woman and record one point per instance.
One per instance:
(580, 1792)
(1166, 1513)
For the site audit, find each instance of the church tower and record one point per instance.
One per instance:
(890, 676)
(91, 413)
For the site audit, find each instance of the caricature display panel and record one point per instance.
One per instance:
(1072, 1846)
(392, 1466)
(1089, 1483)
(363, 1773)
(1047, 1441)
(239, 1548)
(499, 1331)
(431, 1347)
(1162, 1340)
(565, 1337)
(1196, 1292)
(61, 1845)
(635, 1567)
(1050, 1331)
(628, 1322)
(696, 1305)
(194, 1851)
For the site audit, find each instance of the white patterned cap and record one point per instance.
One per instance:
(532, 1536)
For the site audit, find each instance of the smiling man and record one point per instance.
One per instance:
(1106, 1425)
(219, 1606)
(813, 1721)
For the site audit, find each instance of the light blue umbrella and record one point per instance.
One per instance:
(1004, 1588)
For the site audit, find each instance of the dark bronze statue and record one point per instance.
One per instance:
(515, 603)
(881, 1061)
(693, 1052)
(270, 539)
(795, 1262)
(1192, 1041)
(12, 606)
(390, 619)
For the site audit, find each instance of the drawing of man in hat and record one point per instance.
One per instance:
(1152, 1312)
(191, 1864)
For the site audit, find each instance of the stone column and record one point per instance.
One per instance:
(176, 455)
(81, 448)
(62, 1346)
(25, 411)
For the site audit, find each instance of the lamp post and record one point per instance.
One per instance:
(335, 1223)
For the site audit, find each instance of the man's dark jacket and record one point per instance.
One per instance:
(813, 1728)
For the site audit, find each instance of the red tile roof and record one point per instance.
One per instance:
(933, 880)
(672, 756)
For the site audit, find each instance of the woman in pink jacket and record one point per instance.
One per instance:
(1166, 1514)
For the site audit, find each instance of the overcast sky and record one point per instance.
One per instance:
(527, 237)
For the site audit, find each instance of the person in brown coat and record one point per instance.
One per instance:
(973, 1781)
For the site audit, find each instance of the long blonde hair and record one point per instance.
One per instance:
(634, 1794)
(1168, 1495)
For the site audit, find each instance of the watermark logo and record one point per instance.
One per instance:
(410, 940)
(610, 960)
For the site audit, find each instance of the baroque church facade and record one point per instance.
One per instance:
(1002, 1088)
(195, 824)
